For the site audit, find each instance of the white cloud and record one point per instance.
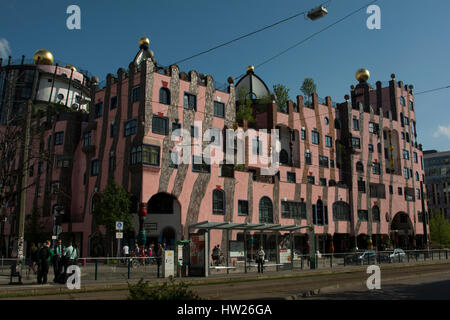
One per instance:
(5, 50)
(442, 131)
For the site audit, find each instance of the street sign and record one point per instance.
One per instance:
(119, 235)
(119, 225)
(54, 237)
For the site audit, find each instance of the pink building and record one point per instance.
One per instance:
(352, 170)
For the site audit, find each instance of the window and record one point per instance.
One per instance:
(417, 194)
(98, 110)
(356, 142)
(328, 142)
(409, 194)
(218, 202)
(391, 189)
(136, 155)
(407, 137)
(242, 208)
(331, 163)
(113, 103)
(303, 133)
(323, 161)
(135, 94)
(54, 187)
(164, 96)
(194, 132)
(323, 182)
(320, 213)
(87, 139)
(376, 168)
(112, 161)
(293, 210)
(62, 162)
(160, 125)
(370, 147)
(374, 127)
(361, 186)
(326, 120)
(403, 135)
(130, 128)
(199, 165)
(405, 154)
(291, 177)
(417, 176)
(265, 210)
(40, 167)
(308, 158)
(406, 173)
(95, 167)
(371, 125)
(315, 137)
(415, 157)
(310, 179)
(359, 167)
(402, 101)
(411, 105)
(341, 211)
(375, 214)
(59, 138)
(219, 109)
(227, 170)
(355, 124)
(150, 155)
(190, 101)
(113, 129)
(377, 190)
(400, 191)
(379, 148)
(363, 215)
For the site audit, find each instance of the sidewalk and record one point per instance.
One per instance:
(30, 286)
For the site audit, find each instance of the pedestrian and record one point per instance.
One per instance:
(126, 250)
(33, 255)
(136, 250)
(215, 255)
(260, 259)
(159, 256)
(66, 256)
(57, 260)
(44, 257)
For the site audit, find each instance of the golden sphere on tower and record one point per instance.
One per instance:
(43, 56)
(144, 41)
(362, 75)
(71, 67)
(251, 68)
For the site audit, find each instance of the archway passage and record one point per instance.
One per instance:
(160, 203)
(402, 231)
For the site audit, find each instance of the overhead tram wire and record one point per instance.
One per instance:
(310, 37)
(246, 35)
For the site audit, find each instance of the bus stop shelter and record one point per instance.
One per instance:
(246, 228)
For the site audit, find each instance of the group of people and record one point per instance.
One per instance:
(146, 253)
(60, 256)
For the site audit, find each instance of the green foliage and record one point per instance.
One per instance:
(281, 96)
(439, 229)
(244, 108)
(239, 167)
(169, 290)
(113, 205)
(308, 88)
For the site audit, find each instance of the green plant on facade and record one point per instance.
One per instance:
(169, 290)
(244, 108)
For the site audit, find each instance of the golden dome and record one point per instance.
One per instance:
(362, 75)
(44, 56)
(71, 67)
(251, 68)
(144, 41)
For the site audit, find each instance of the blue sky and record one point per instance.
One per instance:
(412, 43)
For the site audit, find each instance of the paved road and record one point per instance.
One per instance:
(397, 283)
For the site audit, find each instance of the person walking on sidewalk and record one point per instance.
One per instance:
(57, 260)
(66, 256)
(159, 255)
(260, 259)
(44, 257)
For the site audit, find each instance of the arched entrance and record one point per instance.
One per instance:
(402, 231)
(163, 222)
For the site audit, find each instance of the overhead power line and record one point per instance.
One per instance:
(311, 36)
(432, 90)
(245, 35)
